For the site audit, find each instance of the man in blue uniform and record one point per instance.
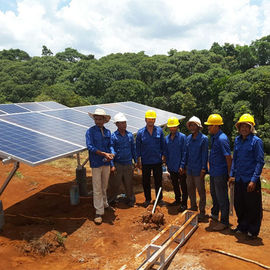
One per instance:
(175, 154)
(248, 161)
(196, 162)
(125, 152)
(101, 153)
(150, 148)
(219, 169)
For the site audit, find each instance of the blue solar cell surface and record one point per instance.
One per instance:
(52, 105)
(49, 125)
(72, 116)
(33, 106)
(12, 108)
(31, 147)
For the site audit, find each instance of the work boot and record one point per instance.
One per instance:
(161, 203)
(175, 203)
(214, 217)
(145, 204)
(182, 208)
(220, 227)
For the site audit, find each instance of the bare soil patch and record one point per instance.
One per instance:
(43, 231)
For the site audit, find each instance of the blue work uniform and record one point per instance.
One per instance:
(124, 148)
(175, 153)
(96, 141)
(220, 147)
(218, 170)
(197, 154)
(150, 148)
(248, 161)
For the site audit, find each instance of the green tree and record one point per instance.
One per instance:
(46, 51)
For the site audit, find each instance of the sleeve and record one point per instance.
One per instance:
(205, 153)
(259, 156)
(232, 173)
(165, 152)
(89, 141)
(138, 144)
(184, 152)
(162, 141)
(111, 149)
(225, 145)
(133, 148)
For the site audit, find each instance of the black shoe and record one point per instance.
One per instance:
(251, 236)
(146, 203)
(161, 203)
(175, 203)
(182, 208)
(237, 231)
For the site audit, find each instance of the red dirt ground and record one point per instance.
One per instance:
(36, 203)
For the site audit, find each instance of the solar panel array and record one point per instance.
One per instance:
(38, 132)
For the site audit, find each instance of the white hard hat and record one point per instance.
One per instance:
(195, 120)
(119, 117)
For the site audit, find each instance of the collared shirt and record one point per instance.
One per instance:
(175, 151)
(150, 147)
(248, 158)
(124, 148)
(220, 147)
(96, 141)
(197, 154)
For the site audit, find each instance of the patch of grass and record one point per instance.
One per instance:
(61, 238)
(265, 184)
(19, 175)
(69, 163)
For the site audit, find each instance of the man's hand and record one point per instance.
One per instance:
(109, 156)
(113, 170)
(231, 181)
(181, 171)
(251, 186)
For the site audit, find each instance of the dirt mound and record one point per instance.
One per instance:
(48, 243)
(153, 221)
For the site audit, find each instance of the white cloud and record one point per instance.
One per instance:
(101, 27)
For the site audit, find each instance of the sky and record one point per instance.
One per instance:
(102, 27)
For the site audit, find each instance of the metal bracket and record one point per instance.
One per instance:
(79, 165)
(178, 234)
(16, 165)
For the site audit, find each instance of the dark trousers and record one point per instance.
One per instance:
(248, 207)
(146, 179)
(219, 194)
(176, 180)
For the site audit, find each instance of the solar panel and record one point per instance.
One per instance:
(33, 106)
(52, 105)
(12, 108)
(38, 132)
(31, 147)
(48, 125)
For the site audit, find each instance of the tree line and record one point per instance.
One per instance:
(227, 79)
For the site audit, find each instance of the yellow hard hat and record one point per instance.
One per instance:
(246, 118)
(150, 114)
(214, 120)
(173, 122)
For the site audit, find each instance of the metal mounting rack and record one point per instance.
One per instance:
(177, 235)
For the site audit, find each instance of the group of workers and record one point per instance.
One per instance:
(187, 161)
